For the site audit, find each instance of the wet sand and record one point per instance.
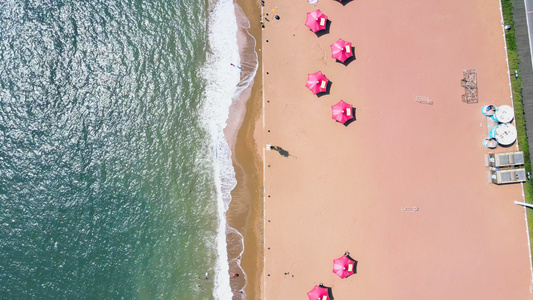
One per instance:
(344, 188)
(246, 209)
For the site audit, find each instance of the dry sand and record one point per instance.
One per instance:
(343, 188)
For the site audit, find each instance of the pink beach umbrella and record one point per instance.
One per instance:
(316, 20)
(341, 112)
(341, 50)
(319, 293)
(343, 266)
(317, 82)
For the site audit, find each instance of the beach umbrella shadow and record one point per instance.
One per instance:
(283, 152)
(349, 59)
(320, 292)
(328, 87)
(351, 120)
(324, 31)
(355, 262)
(344, 2)
(330, 293)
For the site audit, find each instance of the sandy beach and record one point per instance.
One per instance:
(245, 211)
(343, 188)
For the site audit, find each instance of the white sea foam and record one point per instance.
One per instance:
(249, 64)
(221, 84)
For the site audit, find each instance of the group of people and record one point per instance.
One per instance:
(261, 22)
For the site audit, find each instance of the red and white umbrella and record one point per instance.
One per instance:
(317, 82)
(341, 50)
(341, 112)
(319, 293)
(316, 20)
(343, 266)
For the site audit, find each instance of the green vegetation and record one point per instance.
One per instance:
(507, 7)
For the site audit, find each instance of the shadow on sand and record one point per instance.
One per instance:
(352, 119)
(283, 152)
(330, 294)
(324, 31)
(344, 2)
(349, 59)
(354, 264)
(328, 87)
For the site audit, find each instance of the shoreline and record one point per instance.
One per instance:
(244, 213)
(220, 94)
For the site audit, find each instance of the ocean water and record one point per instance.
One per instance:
(114, 170)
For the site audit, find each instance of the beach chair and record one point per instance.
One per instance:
(506, 159)
(508, 176)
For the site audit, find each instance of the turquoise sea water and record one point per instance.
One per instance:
(114, 173)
